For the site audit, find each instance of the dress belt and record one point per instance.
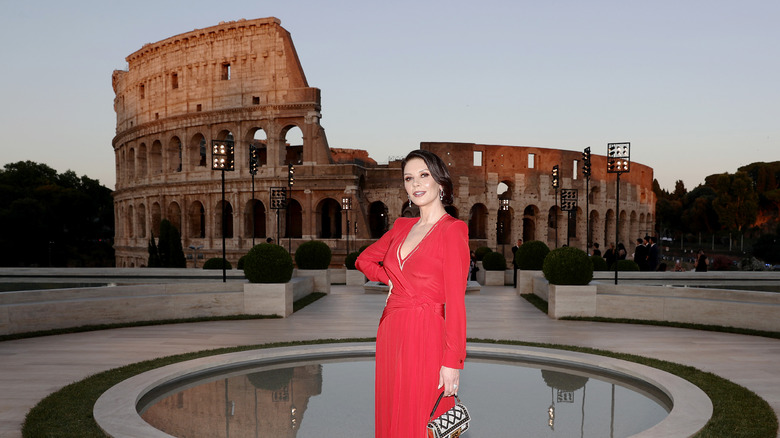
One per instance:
(399, 302)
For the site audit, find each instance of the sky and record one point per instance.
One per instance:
(694, 85)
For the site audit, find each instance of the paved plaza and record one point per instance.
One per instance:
(30, 369)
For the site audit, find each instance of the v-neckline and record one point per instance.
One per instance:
(403, 260)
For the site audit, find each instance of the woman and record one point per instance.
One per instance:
(421, 340)
(701, 262)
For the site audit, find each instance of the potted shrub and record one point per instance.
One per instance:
(599, 264)
(354, 277)
(569, 272)
(494, 264)
(269, 268)
(216, 263)
(241, 261)
(529, 258)
(313, 259)
(625, 266)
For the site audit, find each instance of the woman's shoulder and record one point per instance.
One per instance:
(451, 223)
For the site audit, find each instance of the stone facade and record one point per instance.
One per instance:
(243, 81)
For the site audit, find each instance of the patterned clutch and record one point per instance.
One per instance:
(450, 424)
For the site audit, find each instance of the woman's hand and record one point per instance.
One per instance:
(449, 378)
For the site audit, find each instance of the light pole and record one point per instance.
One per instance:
(290, 182)
(618, 161)
(278, 202)
(505, 208)
(253, 172)
(568, 204)
(556, 182)
(195, 256)
(586, 174)
(346, 205)
(222, 155)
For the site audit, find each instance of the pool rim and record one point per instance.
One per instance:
(117, 415)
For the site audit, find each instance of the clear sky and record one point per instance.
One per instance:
(694, 85)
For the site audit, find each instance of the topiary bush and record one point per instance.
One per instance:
(350, 259)
(268, 263)
(241, 261)
(568, 266)
(599, 264)
(626, 265)
(494, 261)
(313, 254)
(530, 255)
(216, 263)
(481, 252)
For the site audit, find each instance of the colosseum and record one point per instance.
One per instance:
(241, 84)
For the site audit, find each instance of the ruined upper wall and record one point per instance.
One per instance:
(231, 65)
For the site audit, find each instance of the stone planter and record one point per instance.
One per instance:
(480, 273)
(525, 281)
(275, 298)
(321, 278)
(571, 301)
(494, 278)
(355, 278)
(338, 275)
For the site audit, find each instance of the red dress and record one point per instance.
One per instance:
(414, 338)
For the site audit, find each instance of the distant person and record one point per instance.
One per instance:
(269, 240)
(653, 254)
(701, 262)
(621, 252)
(678, 267)
(473, 268)
(596, 250)
(640, 254)
(609, 255)
(514, 263)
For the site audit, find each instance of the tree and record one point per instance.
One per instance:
(154, 254)
(170, 248)
(736, 202)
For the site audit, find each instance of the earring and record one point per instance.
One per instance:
(441, 194)
(410, 202)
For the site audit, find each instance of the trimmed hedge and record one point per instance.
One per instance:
(626, 265)
(216, 263)
(241, 261)
(313, 254)
(568, 266)
(599, 264)
(350, 259)
(494, 261)
(530, 255)
(480, 252)
(268, 263)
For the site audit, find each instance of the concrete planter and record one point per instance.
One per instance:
(275, 298)
(525, 281)
(355, 278)
(480, 273)
(321, 278)
(494, 278)
(338, 275)
(571, 301)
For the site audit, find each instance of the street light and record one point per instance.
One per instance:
(346, 205)
(222, 156)
(618, 161)
(556, 182)
(504, 206)
(568, 204)
(253, 171)
(586, 174)
(290, 182)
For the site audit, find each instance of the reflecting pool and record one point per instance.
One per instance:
(335, 398)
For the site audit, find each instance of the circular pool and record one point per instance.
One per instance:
(327, 390)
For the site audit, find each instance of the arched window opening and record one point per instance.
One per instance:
(196, 221)
(196, 151)
(156, 219)
(378, 221)
(254, 219)
(173, 155)
(260, 141)
(294, 224)
(329, 224)
(130, 222)
(224, 216)
(142, 221)
(478, 217)
(155, 159)
(529, 223)
(141, 160)
(174, 216)
(293, 141)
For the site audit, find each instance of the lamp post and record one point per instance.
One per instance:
(195, 256)
(568, 204)
(586, 174)
(618, 161)
(222, 156)
(505, 208)
(278, 202)
(346, 205)
(290, 182)
(253, 172)
(556, 182)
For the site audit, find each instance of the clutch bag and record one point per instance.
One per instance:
(450, 424)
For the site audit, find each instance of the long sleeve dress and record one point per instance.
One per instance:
(423, 326)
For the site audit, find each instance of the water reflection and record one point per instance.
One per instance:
(504, 399)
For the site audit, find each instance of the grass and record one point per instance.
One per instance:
(737, 411)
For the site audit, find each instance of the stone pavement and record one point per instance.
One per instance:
(30, 369)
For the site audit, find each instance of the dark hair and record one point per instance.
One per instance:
(438, 171)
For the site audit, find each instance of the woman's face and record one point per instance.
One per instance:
(419, 183)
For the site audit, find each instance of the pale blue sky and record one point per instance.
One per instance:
(693, 85)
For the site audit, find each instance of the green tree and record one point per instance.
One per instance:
(736, 202)
(170, 248)
(154, 254)
(698, 213)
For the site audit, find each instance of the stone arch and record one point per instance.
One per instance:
(130, 166)
(130, 221)
(141, 213)
(328, 219)
(478, 216)
(155, 159)
(196, 220)
(530, 213)
(258, 137)
(292, 138)
(174, 216)
(504, 221)
(156, 217)
(623, 236)
(223, 212)
(254, 219)
(141, 161)
(378, 220)
(633, 227)
(196, 151)
(595, 225)
(295, 218)
(173, 154)
(609, 228)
